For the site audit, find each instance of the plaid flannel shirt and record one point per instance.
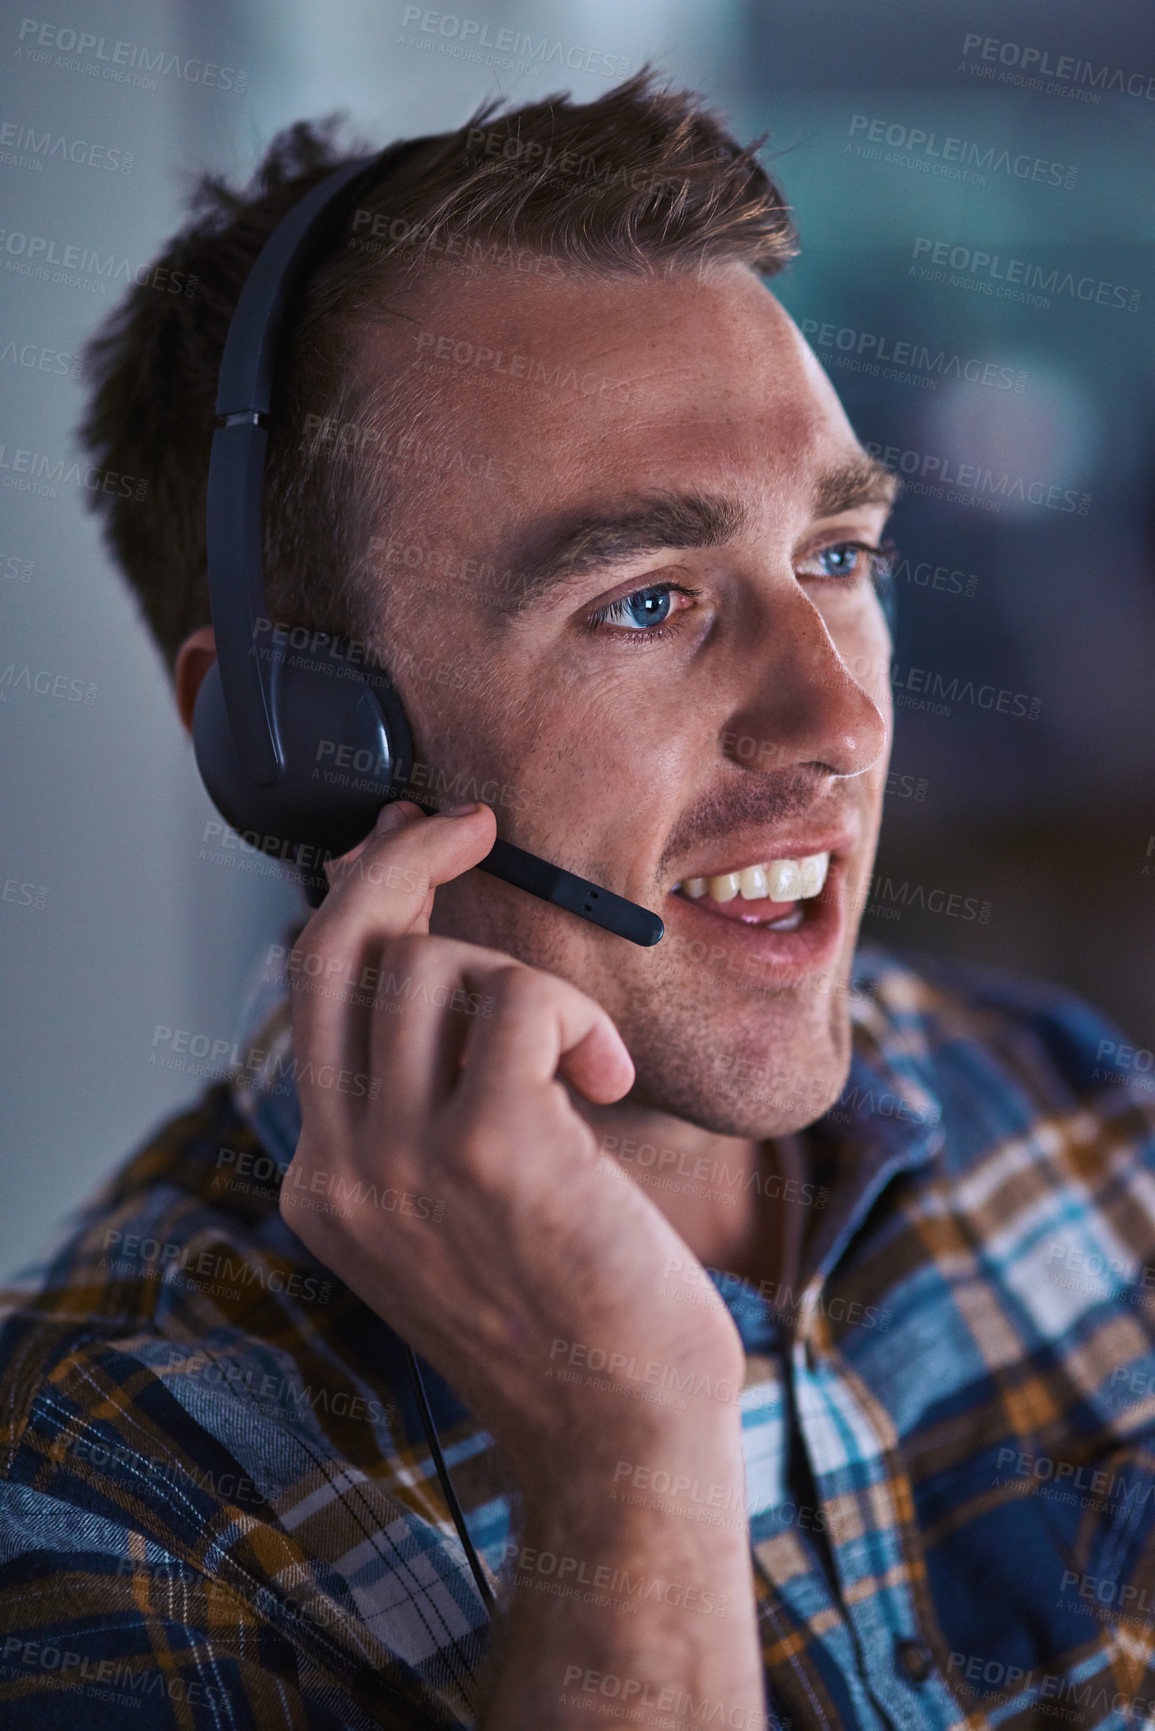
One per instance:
(219, 1508)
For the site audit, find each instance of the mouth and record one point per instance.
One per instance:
(787, 913)
(771, 894)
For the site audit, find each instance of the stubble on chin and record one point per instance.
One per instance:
(759, 1067)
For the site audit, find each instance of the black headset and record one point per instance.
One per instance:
(282, 714)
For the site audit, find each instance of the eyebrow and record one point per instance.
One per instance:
(860, 481)
(556, 551)
(552, 552)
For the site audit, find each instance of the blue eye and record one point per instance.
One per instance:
(841, 561)
(847, 560)
(639, 611)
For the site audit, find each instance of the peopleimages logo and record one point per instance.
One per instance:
(1011, 1683)
(1035, 64)
(46, 44)
(45, 683)
(1018, 279)
(34, 357)
(50, 260)
(937, 693)
(905, 360)
(111, 1679)
(954, 158)
(24, 147)
(42, 473)
(936, 473)
(468, 35)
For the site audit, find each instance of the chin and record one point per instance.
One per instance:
(753, 1091)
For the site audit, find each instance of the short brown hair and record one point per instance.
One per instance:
(644, 177)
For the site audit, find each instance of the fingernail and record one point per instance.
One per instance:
(466, 810)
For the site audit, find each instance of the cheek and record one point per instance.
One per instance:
(459, 743)
(636, 729)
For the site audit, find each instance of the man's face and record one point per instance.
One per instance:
(662, 658)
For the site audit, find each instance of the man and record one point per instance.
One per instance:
(786, 1310)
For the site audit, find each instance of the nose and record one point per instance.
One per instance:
(805, 707)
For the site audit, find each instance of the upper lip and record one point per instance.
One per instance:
(794, 847)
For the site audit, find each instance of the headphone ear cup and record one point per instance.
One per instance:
(216, 755)
(347, 750)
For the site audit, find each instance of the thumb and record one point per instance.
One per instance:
(391, 817)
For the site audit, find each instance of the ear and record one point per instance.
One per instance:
(194, 658)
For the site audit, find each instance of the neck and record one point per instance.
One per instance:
(716, 1191)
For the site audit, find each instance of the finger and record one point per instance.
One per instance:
(383, 893)
(540, 1026)
(429, 992)
(417, 1026)
(331, 969)
(388, 877)
(599, 1066)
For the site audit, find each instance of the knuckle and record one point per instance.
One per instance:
(517, 987)
(477, 1158)
(390, 866)
(411, 946)
(405, 954)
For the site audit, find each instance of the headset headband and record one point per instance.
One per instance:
(235, 552)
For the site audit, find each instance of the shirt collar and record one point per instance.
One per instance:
(888, 1118)
(263, 1080)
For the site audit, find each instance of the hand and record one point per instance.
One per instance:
(460, 1194)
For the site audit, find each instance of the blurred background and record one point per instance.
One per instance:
(977, 210)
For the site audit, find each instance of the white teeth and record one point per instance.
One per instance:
(752, 884)
(784, 880)
(780, 880)
(814, 869)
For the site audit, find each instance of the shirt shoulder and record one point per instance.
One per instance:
(1006, 1058)
(199, 1420)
